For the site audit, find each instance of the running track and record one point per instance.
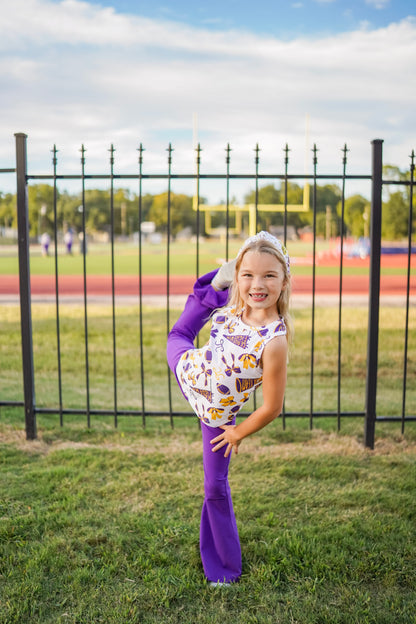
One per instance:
(100, 285)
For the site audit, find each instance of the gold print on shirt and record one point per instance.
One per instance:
(213, 379)
(228, 401)
(230, 327)
(192, 378)
(248, 359)
(258, 345)
(240, 341)
(216, 412)
(205, 393)
(218, 374)
(245, 384)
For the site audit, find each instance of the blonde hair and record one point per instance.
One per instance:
(264, 246)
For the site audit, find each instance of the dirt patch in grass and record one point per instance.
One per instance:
(323, 443)
(43, 446)
(318, 443)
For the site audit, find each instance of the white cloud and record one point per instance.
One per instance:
(77, 73)
(378, 4)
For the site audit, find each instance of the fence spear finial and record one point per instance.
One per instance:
(170, 150)
(228, 152)
(198, 150)
(140, 149)
(257, 151)
(344, 150)
(112, 150)
(82, 150)
(54, 152)
(286, 151)
(315, 154)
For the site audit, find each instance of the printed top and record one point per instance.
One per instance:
(219, 378)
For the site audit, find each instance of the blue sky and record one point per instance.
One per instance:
(270, 72)
(281, 18)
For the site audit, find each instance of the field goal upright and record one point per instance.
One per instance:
(251, 209)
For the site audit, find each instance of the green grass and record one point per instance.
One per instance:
(101, 525)
(182, 260)
(98, 259)
(155, 371)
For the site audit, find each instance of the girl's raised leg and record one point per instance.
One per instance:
(198, 308)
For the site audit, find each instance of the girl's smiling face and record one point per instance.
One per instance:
(260, 281)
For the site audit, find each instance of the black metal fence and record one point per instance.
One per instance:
(375, 179)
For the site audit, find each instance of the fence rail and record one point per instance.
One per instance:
(23, 177)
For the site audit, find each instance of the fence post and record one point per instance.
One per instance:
(374, 292)
(24, 281)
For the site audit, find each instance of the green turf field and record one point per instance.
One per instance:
(154, 368)
(182, 259)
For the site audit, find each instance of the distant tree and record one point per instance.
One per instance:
(393, 173)
(328, 195)
(270, 195)
(69, 211)
(97, 210)
(395, 217)
(134, 215)
(154, 208)
(41, 216)
(395, 214)
(356, 215)
(8, 214)
(181, 212)
(98, 215)
(327, 199)
(294, 193)
(130, 209)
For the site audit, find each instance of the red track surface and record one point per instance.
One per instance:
(182, 285)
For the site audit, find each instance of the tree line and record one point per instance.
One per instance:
(128, 209)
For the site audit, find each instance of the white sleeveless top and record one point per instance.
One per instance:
(219, 378)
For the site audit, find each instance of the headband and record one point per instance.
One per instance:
(269, 238)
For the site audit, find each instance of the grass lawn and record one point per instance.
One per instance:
(154, 370)
(182, 259)
(99, 525)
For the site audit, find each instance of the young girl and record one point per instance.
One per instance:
(247, 347)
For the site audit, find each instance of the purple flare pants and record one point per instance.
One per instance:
(219, 541)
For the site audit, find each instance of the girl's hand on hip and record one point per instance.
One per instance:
(229, 439)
